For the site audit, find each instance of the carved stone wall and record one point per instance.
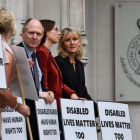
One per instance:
(64, 12)
(77, 20)
(20, 11)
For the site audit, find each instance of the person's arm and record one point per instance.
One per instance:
(49, 95)
(71, 93)
(74, 96)
(8, 98)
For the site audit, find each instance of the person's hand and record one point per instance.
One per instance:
(30, 62)
(74, 96)
(23, 109)
(82, 98)
(51, 96)
(48, 96)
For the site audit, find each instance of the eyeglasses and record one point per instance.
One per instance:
(56, 29)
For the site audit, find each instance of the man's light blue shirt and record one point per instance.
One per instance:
(29, 52)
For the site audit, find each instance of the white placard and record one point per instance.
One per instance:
(47, 118)
(114, 121)
(2, 68)
(13, 124)
(78, 119)
(25, 75)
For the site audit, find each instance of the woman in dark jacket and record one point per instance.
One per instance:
(70, 52)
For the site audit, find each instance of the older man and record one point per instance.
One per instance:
(32, 34)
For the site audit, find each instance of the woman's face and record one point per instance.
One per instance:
(53, 35)
(71, 43)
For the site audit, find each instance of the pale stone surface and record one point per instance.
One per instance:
(31, 9)
(106, 63)
(135, 124)
(76, 15)
(53, 50)
(106, 88)
(94, 46)
(89, 85)
(64, 12)
(101, 46)
(44, 9)
(104, 5)
(103, 18)
(20, 13)
(88, 71)
(88, 47)
(105, 38)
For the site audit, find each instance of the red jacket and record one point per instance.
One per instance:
(52, 76)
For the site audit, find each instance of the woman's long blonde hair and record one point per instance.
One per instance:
(60, 46)
(7, 21)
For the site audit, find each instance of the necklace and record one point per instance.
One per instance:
(73, 62)
(73, 65)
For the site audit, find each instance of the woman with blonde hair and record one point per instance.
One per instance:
(70, 52)
(7, 28)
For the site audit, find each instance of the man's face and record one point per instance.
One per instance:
(33, 34)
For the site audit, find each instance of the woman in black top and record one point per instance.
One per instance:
(70, 52)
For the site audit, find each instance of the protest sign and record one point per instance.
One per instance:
(47, 118)
(3, 84)
(78, 119)
(25, 76)
(114, 121)
(13, 124)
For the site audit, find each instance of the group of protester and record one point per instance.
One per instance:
(59, 77)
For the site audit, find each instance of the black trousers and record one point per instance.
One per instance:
(33, 120)
(60, 125)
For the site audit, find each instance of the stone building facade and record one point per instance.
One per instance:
(95, 21)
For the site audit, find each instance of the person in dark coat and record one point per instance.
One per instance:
(70, 52)
(32, 34)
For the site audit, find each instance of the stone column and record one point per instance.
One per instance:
(20, 12)
(85, 42)
(64, 12)
(31, 9)
(77, 20)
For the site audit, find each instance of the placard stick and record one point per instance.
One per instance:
(23, 99)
